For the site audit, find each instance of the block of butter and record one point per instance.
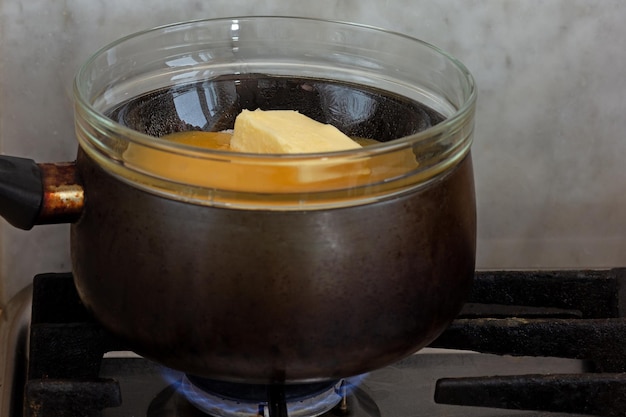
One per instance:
(286, 131)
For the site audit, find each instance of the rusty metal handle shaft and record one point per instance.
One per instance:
(63, 195)
(32, 193)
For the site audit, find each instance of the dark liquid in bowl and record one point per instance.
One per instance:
(213, 105)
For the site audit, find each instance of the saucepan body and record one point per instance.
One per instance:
(274, 268)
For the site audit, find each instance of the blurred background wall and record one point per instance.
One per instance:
(551, 122)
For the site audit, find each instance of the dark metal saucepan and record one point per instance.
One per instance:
(227, 275)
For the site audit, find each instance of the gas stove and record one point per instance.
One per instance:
(527, 343)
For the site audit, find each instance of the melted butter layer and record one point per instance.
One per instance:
(266, 175)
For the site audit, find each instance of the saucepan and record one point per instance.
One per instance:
(285, 268)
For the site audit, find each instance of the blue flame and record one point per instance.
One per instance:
(217, 405)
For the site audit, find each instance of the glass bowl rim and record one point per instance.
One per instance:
(168, 146)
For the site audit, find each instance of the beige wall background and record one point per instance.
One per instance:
(549, 145)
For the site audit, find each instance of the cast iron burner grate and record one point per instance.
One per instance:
(65, 352)
(570, 314)
(566, 314)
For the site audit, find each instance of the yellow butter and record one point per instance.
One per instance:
(286, 131)
(210, 140)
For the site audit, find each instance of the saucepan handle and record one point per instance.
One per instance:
(32, 193)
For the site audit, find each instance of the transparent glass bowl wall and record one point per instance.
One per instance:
(196, 51)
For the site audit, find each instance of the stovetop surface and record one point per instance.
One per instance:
(405, 389)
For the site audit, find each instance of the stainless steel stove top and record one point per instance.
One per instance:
(405, 389)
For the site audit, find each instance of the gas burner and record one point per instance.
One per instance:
(173, 402)
(224, 399)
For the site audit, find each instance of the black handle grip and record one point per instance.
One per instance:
(21, 191)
